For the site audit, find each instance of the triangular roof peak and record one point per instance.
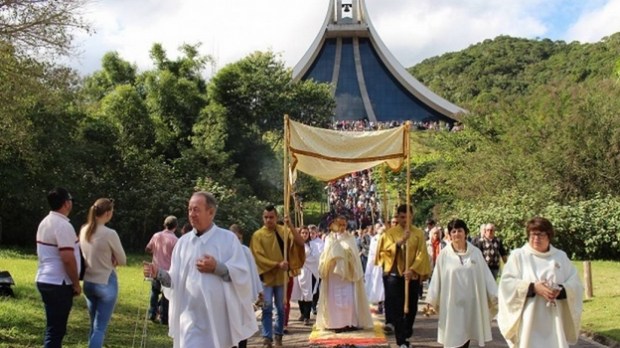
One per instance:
(349, 51)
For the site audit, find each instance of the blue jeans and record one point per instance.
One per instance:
(273, 294)
(100, 299)
(157, 303)
(57, 300)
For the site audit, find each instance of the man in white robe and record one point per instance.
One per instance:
(373, 275)
(540, 293)
(210, 284)
(257, 284)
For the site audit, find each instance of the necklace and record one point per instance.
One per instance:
(459, 250)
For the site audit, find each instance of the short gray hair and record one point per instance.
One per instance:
(209, 198)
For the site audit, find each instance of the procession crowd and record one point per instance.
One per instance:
(206, 284)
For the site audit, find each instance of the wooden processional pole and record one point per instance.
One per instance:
(408, 200)
(286, 200)
(386, 215)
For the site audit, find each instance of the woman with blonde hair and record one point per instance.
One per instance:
(102, 251)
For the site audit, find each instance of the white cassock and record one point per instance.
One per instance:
(373, 274)
(205, 310)
(302, 284)
(319, 244)
(257, 284)
(529, 321)
(464, 293)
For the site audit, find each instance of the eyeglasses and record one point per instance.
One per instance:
(539, 234)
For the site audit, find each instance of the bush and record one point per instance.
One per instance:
(587, 230)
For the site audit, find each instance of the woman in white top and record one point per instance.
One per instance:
(102, 251)
(305, 285)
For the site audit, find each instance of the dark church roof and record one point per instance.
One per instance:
(369, 83)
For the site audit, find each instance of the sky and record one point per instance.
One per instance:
(413, 30)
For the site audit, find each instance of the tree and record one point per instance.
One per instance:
(253, 95)
(175, 93)
(40, 28)
(29, 31)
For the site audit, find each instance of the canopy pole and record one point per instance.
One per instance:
(408, 200)
(385, 197)
(286, 206)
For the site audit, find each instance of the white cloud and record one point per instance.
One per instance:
(230, 30)
(428, 28)
(593, 25)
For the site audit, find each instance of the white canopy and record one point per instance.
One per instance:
(330, 154)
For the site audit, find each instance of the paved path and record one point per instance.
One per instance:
(425, 334)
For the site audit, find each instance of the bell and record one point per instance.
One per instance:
(347, 7)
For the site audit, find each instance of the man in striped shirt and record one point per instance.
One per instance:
(59, 266)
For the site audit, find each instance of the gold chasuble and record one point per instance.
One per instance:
(267, 254)
(389, 252)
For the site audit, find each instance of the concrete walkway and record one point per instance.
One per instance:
(424, 334)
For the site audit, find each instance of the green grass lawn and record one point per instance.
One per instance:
(22, 319)
(601, 314)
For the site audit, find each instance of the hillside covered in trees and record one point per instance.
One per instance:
(542, 136)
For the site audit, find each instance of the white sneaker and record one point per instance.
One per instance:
(403, 346)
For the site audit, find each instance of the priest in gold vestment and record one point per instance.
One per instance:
(343, 305)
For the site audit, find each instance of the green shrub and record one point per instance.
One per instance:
(588, 229)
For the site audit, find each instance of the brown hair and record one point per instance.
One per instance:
(101, 206)
(332, 224)
(539, 224)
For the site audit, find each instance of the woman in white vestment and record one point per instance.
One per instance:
(463, 291)
(540, 294)
(305, 285)
(343, 305)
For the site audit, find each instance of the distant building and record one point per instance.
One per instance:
(369, 83)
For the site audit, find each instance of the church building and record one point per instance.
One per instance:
(368, 82)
